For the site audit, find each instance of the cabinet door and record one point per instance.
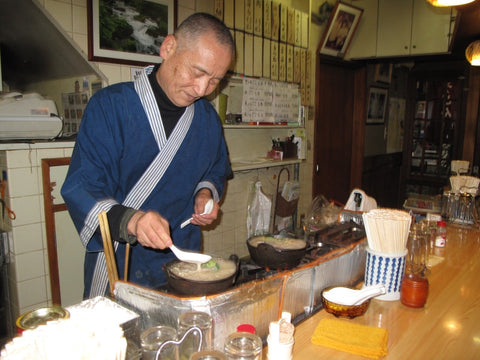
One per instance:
(394, 27)
(364, 41)
(430, 28)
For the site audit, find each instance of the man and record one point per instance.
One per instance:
(151, 152)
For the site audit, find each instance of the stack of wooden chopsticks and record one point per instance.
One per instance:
(110, 252)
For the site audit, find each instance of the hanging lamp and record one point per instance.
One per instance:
(449, 2)
(472, 53)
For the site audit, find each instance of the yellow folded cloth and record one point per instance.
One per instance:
(356, 339)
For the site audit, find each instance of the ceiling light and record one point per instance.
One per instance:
(449, 2)
(473, 53)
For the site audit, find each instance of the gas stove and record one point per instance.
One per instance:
(335, 256)
(319, 243)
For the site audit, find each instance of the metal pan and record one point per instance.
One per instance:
(268, 256)
(182, 286)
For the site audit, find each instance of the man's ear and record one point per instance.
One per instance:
(168, 47)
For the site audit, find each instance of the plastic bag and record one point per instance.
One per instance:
(258, 213)
(322, 214)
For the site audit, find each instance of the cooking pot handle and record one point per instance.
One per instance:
(173, 342)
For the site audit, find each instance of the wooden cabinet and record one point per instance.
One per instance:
(391, 28)
(432, 132)
(432, 28)
(394, 27)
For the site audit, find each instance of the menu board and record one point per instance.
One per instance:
(286, 102)
(257, 101)
(266, 101)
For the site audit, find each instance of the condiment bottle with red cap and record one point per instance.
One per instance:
(246, 328)
(441, 238)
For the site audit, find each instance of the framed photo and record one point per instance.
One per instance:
(340, 29)
(421, 110)
(383, 73)
(377, 105)
(128, 31)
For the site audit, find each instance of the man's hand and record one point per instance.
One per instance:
(201, 199)
(151, 229)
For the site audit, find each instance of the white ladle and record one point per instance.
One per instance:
(208, 209)
(346, 296)
(190, 256)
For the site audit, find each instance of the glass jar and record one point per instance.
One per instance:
(417, 251)
(208, 355)
(192, 343)
(243, 346)
(153, 338)
(414, 288)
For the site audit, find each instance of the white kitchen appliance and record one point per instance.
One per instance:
(28, 116)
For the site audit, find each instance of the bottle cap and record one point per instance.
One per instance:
(246, 328)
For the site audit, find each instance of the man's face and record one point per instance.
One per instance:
(188, 74)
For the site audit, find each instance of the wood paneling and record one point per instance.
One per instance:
(339, 129)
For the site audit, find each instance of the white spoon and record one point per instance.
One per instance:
(208, 209)
(346, 296)
(190, 256)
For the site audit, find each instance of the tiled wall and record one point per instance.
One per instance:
(29, 280)
(72, 14)
(29, 255)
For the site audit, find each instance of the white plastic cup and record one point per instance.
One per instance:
(386, 269)
(278, 350)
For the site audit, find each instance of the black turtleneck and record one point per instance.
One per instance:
(169, 111)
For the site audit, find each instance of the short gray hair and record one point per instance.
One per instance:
(199, 24)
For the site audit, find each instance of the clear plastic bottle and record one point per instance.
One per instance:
(441, 238)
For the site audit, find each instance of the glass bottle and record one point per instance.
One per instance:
(441, 238)
(414, 288)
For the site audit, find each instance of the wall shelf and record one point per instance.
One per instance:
(248, 126)
(246, 165)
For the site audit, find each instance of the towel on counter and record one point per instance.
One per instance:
(356, 339)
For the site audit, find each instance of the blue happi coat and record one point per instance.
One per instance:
(122, 156)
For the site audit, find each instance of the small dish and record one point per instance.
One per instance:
(350, 311)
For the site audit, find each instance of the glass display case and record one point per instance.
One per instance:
(432, 132)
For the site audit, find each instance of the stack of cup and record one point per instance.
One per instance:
(201, 338)
(156, 337)
(280, 339)
(242, 345)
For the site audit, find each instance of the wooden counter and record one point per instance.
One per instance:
(447, 328)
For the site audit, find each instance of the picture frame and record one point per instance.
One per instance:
(383, 73)
(421, 109)
(131, 45)
(340, 29)
(377, 105)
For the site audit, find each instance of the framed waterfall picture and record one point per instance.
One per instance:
(128, 31)
(341, 26)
